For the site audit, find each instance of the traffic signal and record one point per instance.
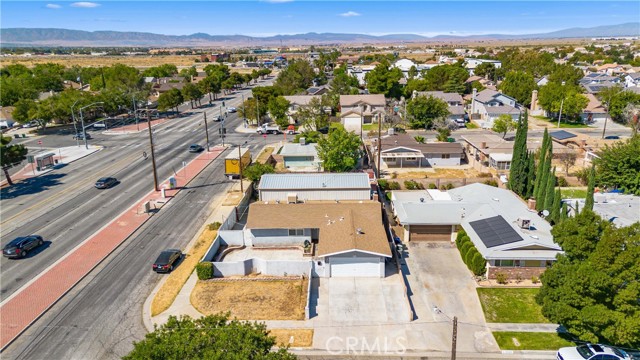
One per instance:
(223, 104)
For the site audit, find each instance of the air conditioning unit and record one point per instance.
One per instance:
(524, 223)
(292, 198)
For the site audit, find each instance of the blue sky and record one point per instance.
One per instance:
(269, 17)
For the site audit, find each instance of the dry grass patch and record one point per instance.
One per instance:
(176, 279)
(264, 155)
(252, 300)
(301, 337)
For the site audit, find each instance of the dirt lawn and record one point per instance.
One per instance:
(437, 173)
(301, 337)
(252, 300)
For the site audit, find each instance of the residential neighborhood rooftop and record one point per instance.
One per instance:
(371, 99)
(406, 140)
(314, 181)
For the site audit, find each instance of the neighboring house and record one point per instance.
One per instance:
(356, 110)
(620, 209)
(360, 72)
(68, 84)
(404, 65)
(595, 88)
(454, 100)
(296, 102)
(300, 157)
(509, 235)
(542, 81)
(214, 57)
(314, 187)
(632, 80)
(594, 110)
(403, 151)
(167, 83)
(349, 237)
(487, 105)
(598, 78)
(472, 63)
(319, 90)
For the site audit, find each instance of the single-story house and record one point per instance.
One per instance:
(300, 157)
(402, 150)
(310, 187)
(349, 237)
(507, 232)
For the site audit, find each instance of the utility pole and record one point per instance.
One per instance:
(135, 112)
(561, 105)
(153, 156)
(257, 111)
(454, 338)
(206, 130)
(84, 132)
(379, 146)
(240, 167)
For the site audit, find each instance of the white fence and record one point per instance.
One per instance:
(261, 266)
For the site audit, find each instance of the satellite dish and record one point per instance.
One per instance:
(545, 213)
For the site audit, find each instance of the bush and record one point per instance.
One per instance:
(449, 186)
(460, 234)
(214, 225)
(204, 270)
(501, 278)
(394, 185)
(419, 139)
(394, 175)
(479, 264)
(583, 175)
(464, 249)
(485, 175)
(468, 257)
(432, 186)
(561, 181)
(383, 184)
(535, 280)
(413, 185)
(491, 183)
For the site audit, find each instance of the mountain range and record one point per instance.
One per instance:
(42, 37)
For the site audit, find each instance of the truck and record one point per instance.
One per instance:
(232, 163)
(269, 129)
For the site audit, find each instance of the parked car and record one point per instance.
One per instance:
(99, 125)
(324, 130)
(166, 260)
(19, 247)
(195, 148)
(106, 182)
(592, 352)
(30, 124)
(612, 137)
(80, 136)
(269, 129)
(231, 110)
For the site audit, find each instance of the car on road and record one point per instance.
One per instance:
(19, 247)
(612, 137)
(268, 129)
(166, 260)
(218, 119)
(106, 182)
(231, 110)
(99, 125)
(592, 352)
(30, 124)
(195, 148)
(80, 136)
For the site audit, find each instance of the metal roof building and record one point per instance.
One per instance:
(311, 187)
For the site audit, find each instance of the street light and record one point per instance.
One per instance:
(84, 133)
(604, 129)
(561, 104)
(75, 127)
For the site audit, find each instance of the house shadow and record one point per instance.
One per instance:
(313, 297)
(31, 186)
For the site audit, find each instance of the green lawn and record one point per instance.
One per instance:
(563, 124)
(502, 305)
(531, 340)
(572, 193)
(369, 127)
(471, 125)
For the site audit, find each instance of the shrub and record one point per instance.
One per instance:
(479, 264)
(535, 280)
(204, 270)
(501, 278)
(460, 234)
(485, 175)
(383, 184)
(518, 278)
(410, 184)
(419, 139)
(561, 181)
(394, 185)
(491, 183)
(464, 249)
(432, 186)
(394, 175)
(449, 186)
(468, 257)
(214, 225)
(583, 175)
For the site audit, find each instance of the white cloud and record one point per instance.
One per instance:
(349, 14)
(85, 4)
(53, 6)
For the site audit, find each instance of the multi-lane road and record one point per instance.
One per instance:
(101, 316)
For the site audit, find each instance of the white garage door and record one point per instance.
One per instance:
(352, 124)
(357, 266)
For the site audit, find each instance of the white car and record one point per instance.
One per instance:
(30, 124)
(231, 110)
(592, 352)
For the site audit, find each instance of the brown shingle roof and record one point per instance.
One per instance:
(337, 223)
(372, 99)
(406, 140)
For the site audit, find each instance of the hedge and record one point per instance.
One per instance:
(204, 270)
(470, 254)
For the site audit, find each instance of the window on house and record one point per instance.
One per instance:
(504, 263)
(410, 159)
(446, 156)
(296, 232)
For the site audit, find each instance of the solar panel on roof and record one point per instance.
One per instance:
(562, 135)
(495, 231)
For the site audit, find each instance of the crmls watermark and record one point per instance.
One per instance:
(353, 345)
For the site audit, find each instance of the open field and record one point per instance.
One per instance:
(176, 279)
(252, 300)
(510, 340)
(301, 337)
(502, 305)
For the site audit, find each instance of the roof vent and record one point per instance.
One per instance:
(421, 199)
(524, 223)
(324, 185)
(534, 237)
(359, 231)
(495, 199)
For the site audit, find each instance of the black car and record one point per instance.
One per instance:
(612, 137)
(106, 182)
(19, 247)
(324, 130)
(195, 148)
(166, 259)
(80, 136)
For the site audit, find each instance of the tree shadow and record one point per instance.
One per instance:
(30, 186)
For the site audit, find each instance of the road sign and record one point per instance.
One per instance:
(39, 142)
(264, 136)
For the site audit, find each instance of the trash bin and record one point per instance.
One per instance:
(17, 136)
(24, 135)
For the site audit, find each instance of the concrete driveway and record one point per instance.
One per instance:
(437, 277)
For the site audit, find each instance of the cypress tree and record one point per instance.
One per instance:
(549, 193)
(555, 208)
(531, 174)
(564, 212)
(517, 172)
(540, 173)
(588, 203)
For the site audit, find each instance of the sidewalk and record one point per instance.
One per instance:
(26, 305)
(246, 130)
(64, 155)
(521, 327)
